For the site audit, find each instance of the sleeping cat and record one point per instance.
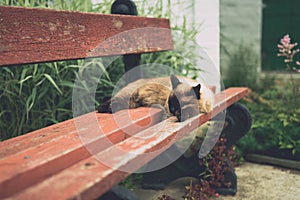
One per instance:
(178, 96)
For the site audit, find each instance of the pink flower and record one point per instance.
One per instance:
(285, 40)
(286, 50)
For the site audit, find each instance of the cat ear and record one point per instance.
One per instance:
(175, 81)
(196, 90)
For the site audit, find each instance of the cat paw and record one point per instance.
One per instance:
(105, 107)
(165, 115)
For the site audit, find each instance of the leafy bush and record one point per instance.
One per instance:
(274, 104)
(214, 166)
(276, 118)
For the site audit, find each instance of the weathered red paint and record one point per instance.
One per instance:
(86, 177)
(52, 163)
(30, 35)
(39, 157)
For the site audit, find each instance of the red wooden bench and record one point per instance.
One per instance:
(53, 163)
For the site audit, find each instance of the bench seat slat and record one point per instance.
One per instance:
(46, 35)
(90, 178)
(68, 128)
(63, 148)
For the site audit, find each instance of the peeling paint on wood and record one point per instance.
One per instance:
(46, 35)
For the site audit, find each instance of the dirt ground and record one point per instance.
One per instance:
(255, 181)
(266, 182)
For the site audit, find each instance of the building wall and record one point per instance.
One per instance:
(240, 23)
(206, 13)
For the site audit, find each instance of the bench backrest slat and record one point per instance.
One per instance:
(29, 35)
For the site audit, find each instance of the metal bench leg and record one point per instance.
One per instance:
(238, 123)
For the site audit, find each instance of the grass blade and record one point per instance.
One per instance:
(53, 83)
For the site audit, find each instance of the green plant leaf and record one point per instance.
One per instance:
(53, 83)
(23, 79)
(8, 70)
(30, 101)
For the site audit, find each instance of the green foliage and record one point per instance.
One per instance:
(37, 95)
(276, 119)
(132, 181)
(213, 169)
(243, 67)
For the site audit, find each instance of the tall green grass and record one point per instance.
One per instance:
(38, 95)
(243, 62)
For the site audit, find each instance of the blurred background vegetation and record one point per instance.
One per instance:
(38, 95)
(249, 34)
(275, 110)
(273, 104)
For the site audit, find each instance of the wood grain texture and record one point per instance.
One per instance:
(30, 35)
(27, 159)
(95, 177)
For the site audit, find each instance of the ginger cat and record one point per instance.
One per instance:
(178, 96)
